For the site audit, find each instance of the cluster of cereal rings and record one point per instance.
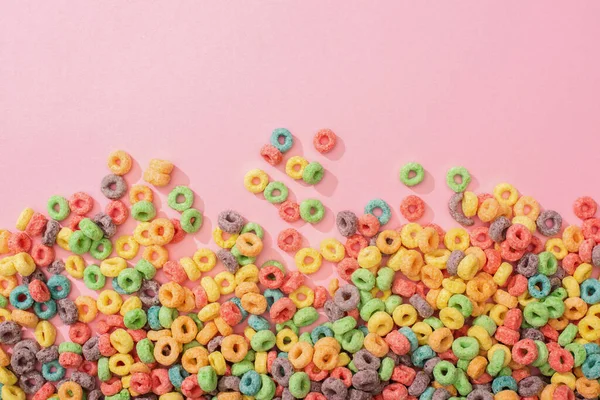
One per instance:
(425, 314)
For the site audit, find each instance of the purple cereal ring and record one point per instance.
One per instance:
(421, 305)
(441, 394)
(362, 359)
(347, 297)
(530, 386)
(113, 186)
(84, 380)
(334, 389)
(286, 395)
(10, 332)
(533, 334)
(498, 228)
(405, 359)
(419, 384)
(596, 256)
(453, 260)
(228, 384)
(430, 365)
(36, 274)
(106, 224)
(22, 361)
(366, 380)
(228, 260)
(528, 265)
(480, 394)
(455, 209)
(31, 381)
(51, 232)
(67, 311)
(316, 386)
(346, 222)
(148, 293)
(332, 311)
(555, 222)
(47, 354)
(97, 395)
(281, 370)
(56, 267)
(90, 349)
(214, 344)
(395, 357)
(28, 344)
(230, 221)
(355, 394)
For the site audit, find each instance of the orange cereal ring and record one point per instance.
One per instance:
(301, 354)
(156, 178)
(161, 231)
(119, 162)
(234, 348)
(325, 358)
(209, 331)
(162, 166)
(70, 390)
(249, 245)
(184, 329)
(254, 303)
(156, 255)
(166, 350)
(140, 193)
(246, 287)
(7, 284)
(194, 358)
(171, 295)
(388, 241)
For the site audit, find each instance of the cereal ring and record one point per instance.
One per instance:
(119, 162)
(117, 211)
(379, 204)
(412, 208)
(549, 222)
(289, 240)
(282, 139)
(464, 178)
(412, 174)
(256, 180)
(455, 210)
(295, 166)
(346, 222)
(271, 154)
(312, 211)
(289, 211)
(191, 220)
(585, 207)
(324, 140)
(113, 187)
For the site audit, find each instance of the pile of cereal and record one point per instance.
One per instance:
(493, 312)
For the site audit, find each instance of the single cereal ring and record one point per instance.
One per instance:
(585, 207)
(117, 211)
(506, 194)
(294, 167)
(289, 211)
(119, 162)
(412, 174)
(346, 222)
(464, 179)
(379, 204)
(280, 135)
(113, 187)
(412, 208)
(313, 173)
(276, 192)
(161, 231)
(191, 220)
(174, 198)
(249, 245)
(312, 211)
(271, 154)
(256, 180)
(140, 193)
(58, 208)
(324, 140)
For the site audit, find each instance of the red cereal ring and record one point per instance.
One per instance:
(74, 222)
(324, 140)
(42, 255)
(230, 313)
(137, 334)
(480, 238)
(563, 392)
(343, 374)
(36, 225)
(271, 277)
(282, 310)
(79, 333)
(161, 383)
(517, 285)
(19, 242)
(292, 282)
(190, 387)
(271, 356)
(102, 327)
(571, 262)
(289, 240)
(513, 319)
(175, 272)
(403, 287)
(585, 250)
(39, 291)
(179, 234)
(493, 261)
(524, 351)
(105, 346)
(368, 225)
(550, 333)
(278, 390)
(509, 253)
(561, 360)
(321, 295)
(404, 375)
(346, 268)
(89, 367)
(289, 211)
(448, 355)
(585, 207)
(270, 154)
(507, 336)
(437, 228)
(111, 386)
(412, 207)
(200, 297)
(81, 203)
(140, 383)
(483, 379)
(315, 396)
(70, 360)
(394, 391)
(115, 321)
(354, 244)
(591, 229)
(118, 211)
(44, 392)
(520, 374)
(518, 236)
(398, 343)
(314, 373)
(353, 313)
(536, 246)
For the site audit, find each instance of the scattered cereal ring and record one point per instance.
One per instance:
(464, 179)
(324, 140)
(412, 174)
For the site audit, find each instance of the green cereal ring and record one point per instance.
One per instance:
(166, 316)
(353, 341)
(462, 384)
(173, 198)
(69, 347)
(79, 243)
(191, 220)
(90, 229)
(255, 228)
(465, 347)
(145, 351)
(578, 352)
(555, 306)
(386, 369)
(135, 319)
(103, 371)
(190, 345)
(101, 249)
(462, 304)
(414, 169)
(543, 354)
(560, 293)
(392, 302)
(567, 335)
(343, 325)
(445, 373)
(288, 324)
(486, 323)
(276, 192)
(129, 280)
(267, 389)
(250, 356)
(312, 211)
(240, 368)
(385, 278)
(93, 278)
(464, 176)
(143, 211)
(373, 306)
(305, 337)
(546, 370)
(496, 363)
(240, 258)
(352, 367)
(547, 263)
(145, 268)
(365, 297)
(363, 279)
(263, 341)
(58, 208)
(313, 173)
(199, 324)
(463, 364)
(434, 323)
(3, 301)
(305, 316)
(299, 385)
(207, 378)
(536, 314)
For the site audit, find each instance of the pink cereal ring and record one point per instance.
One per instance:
(292, 282)
(118, 211)
(480, 238)
(536, 246)
(585, 207)
(518, 236)
(493, 261)
(79, 332)
(137, 334)
(591, 229)
(89, 368)
(200, 296)
(282, 310)
(346, 268)
(571, 262)
(289, 211)
(39, 291)
(111, 386)
(160, 381)
(403, 288)
(191, 388)
(36, 225)
(44, 392)
(289, 240)
(19, 242)
(230, 313)
(321, 295)
(585, 250)
(81, 203)
(271, 356)
(179, 234)
(354, 244)
(140, 383)
(525, 351)
(517, 285)
(398, 343)
(368, 225)
(395, 391)
(74, 222)
(404, 375)
(561, 360)
(175, 272)
(314, 373)
(324, 140)
(271, 277)
(507, 336)
(563, 392)
(343, 374)
(270, 154)
(42, 255)
(70, 360)
(412, 207)
(509, 253)
(105, 346)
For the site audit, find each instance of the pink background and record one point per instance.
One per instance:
(507, 89)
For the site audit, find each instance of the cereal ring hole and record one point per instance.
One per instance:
(458, 179)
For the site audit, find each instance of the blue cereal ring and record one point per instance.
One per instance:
(504, 383)
(320, 332)
(250, 383)
(177, 374)
(153, 320)
(116, 287)
(411, 336)
(539, 286)
(258, 323)
(238, 303)
(45, 310)
(272, 295)
(591, 366)
(590, 291)
(591, 348)
(386, 212)
(421, 355)
(59, 287)
(21, 298)
(52, 371)
(288, 140)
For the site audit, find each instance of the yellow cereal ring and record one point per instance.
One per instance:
(528, 207)
(409, 233)
(369, 257)
(74, 265)
(4, 236)
(557, 247)
(24, 218)
(247, 273)
(140, 193)
(141, 234)
(256, 180)
(457, 239)
(63, 237)
(24, 264)
(428, 239)
(332, 250)
(211, 288)
(45, 333)
(109, 302)
(86, 308)
(156, 255)
(225, 280)
(308, 260)
(191, 268)
(127, 247)
(119, 162)
(221, 241)
(112, 266)
(469, 204)
(294, 167)
(506, 194)
(205, 259)
(302, 297)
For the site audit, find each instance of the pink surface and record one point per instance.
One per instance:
(509, 90)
